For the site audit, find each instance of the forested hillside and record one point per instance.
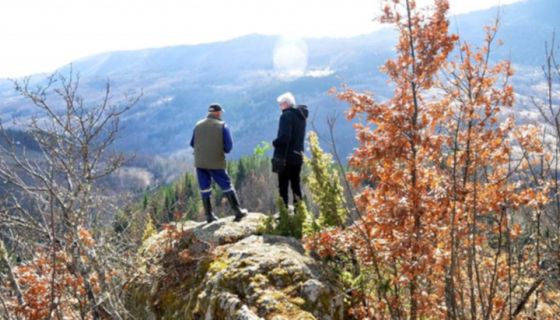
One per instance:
(178, 83)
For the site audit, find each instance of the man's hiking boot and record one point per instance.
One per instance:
(234, 203)
(210, 217)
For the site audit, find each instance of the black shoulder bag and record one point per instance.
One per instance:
(279, 164)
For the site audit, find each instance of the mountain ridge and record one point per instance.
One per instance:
(179, 82)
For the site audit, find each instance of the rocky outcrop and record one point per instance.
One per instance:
(225, 270)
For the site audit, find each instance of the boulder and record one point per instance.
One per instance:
(226, 270)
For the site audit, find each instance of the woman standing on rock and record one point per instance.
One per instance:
(288, 146)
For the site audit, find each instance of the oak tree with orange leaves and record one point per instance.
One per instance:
(437, 167)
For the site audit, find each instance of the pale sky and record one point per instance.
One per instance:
(42, 35)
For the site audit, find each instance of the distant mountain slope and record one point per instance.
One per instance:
(179, 82)
(524, 27)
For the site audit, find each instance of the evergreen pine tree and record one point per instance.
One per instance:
(299, 219)
(241, 174)
(145, 202)
(288, 225)
(324, 184)
(309, 224)
(284, 225)
(191, 197)
(168, 203)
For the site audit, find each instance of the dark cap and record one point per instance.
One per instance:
(214, 107)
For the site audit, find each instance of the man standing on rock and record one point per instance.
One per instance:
(288, 146)
(211, 140)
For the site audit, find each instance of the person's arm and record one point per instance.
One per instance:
(284, 132)
(228, 141)
(192, 140)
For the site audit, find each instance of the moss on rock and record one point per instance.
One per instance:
(248, 277)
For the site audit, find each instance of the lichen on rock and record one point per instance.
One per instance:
(230, 272)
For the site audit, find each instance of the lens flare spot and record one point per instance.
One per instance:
(290, 57)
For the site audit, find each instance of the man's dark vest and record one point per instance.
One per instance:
(209, 144)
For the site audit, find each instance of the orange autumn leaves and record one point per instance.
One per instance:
(47, 279)
(35, 279)
(436, 165)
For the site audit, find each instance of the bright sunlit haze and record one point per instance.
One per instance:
(39, 36)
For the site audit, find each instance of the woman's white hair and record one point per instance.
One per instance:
(287, 97)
